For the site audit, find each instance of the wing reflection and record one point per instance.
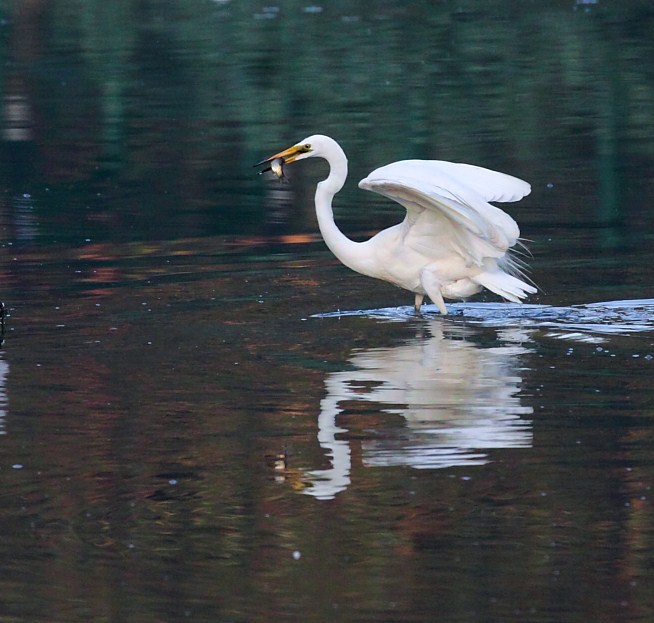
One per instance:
(456, 398)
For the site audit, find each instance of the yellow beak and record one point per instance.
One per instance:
(288, 155)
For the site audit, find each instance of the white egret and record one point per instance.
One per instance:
(452, 241)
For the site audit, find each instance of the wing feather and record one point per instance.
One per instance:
(433, 190)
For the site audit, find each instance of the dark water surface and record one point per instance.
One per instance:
(204, 417)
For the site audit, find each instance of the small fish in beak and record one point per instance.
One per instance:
(276, 163)
(277, 167)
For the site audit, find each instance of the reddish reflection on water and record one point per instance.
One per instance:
(162, 415)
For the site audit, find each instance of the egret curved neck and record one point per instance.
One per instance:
(346, 250)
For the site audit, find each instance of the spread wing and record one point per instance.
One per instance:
(447, 205)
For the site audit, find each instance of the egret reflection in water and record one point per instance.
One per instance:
(456, 398)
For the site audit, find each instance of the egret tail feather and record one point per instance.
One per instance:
(507, 286)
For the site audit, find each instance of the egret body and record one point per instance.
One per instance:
(452, 242)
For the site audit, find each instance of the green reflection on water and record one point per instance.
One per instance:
(142, 119)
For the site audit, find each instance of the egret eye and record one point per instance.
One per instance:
(307, 146)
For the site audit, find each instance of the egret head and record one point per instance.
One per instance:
(303, 149)
(315, 146)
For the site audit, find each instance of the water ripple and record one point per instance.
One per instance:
(587, 322)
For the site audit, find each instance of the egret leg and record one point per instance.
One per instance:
(419, 299)
(433, 288)
(437, 299)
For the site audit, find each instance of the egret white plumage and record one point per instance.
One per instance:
(452, 241)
